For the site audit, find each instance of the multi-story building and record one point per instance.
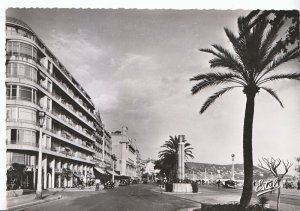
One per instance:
(37, 81)
(125, 150)
(139, 165)
(103, 148)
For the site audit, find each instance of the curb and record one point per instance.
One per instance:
(29, 204)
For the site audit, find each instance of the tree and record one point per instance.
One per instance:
(298, 166)
(257, 54)
(168, 156)
(15, 175)
(271, 165)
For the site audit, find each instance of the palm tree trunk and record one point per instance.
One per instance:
(247, 151)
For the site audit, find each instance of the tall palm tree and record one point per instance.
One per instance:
(257, 54)
(169, 154)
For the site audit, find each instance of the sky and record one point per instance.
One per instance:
(136, 66)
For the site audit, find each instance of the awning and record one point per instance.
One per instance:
(111, 172)
(100, 170)
(77, 175)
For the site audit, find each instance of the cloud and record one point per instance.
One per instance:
(136, 65)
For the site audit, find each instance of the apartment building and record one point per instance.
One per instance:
(124, 147)
(103, 147)
(37, 81)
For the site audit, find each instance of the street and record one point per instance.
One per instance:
(149, 197)
(133, 197)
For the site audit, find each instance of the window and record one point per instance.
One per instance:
(12, 114)
(21, 49)
(21, 71)
(48, 123)
(25, 93)
(20, 136)
(14, 91)
(26, 49)
(27, 115)
(49, 86)
(9, 48)
(11, 92)
(21, 158)
(48, 103)
(13, 136)
(15, 48)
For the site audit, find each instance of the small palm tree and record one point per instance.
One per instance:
(168, 156)
(257, 54)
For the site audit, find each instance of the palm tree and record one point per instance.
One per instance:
(168, 156)
(257, 54)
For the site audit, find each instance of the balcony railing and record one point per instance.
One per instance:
(21, 58)
(33, 144)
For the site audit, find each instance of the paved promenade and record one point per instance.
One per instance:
(146, 197)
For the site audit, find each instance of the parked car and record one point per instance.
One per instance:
(229, 184)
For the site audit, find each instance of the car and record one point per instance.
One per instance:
(229, 184)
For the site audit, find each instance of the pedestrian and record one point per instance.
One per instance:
(219, 183)
(298, 185)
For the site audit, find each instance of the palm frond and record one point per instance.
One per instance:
(213, 79)
(270, 37)
(273, 93)
(233, 60)
(291, 76)
(268, 58)
(212, 98)
(290, 55)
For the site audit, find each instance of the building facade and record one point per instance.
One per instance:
(126, 152)
(103, 148)
(37, 81)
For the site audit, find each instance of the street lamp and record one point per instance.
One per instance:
(232, 156)
(41, 116)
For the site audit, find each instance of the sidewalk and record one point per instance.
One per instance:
(213, 197)
(15, 203)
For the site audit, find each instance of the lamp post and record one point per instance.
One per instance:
(232, 156)
(41, 116)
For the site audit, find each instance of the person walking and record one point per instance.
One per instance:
(219, 183)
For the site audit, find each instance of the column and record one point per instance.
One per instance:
(85, 173)
(34, 177)
(179, 162)
(71, 168)
(123, 157)
(65, 179)
(53, 173)
(181, 173)
(45, 171)
(59, 176)
(182, 161)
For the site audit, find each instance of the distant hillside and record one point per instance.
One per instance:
(216, 171)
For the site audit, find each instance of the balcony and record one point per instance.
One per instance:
(57, 134)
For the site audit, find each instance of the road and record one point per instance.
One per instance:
(133, 197)
(148, 197)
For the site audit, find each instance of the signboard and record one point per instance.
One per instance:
(266, 186)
